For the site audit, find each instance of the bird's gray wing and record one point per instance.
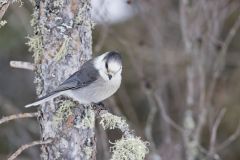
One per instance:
(82, 78)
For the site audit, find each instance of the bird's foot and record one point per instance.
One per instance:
(98, 107)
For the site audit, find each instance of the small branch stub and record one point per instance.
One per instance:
(22, 65)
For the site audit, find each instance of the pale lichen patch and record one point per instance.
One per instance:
(36, 46)
(34, 21)
(3, 23)
(58, 3)
(132, 148)
(18, 1)
(88, 151)
(63, 49)
(128, 147)
(64, 111)
(89, 119)
(110, 121)
(82, 19)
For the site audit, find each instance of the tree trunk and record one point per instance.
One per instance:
(61, 44)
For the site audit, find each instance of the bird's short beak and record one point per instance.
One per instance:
(109, 76)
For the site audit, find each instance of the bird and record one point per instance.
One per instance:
(98, 79)
(109, 12)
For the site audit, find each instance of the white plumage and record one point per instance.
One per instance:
(111, 11)
(97, 80)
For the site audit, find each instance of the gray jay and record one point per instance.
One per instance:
(97, 79)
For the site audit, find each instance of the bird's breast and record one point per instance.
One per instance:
(98, 90)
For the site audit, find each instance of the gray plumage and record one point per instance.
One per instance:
(96, 80)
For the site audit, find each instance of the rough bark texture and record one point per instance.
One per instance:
(61, 44)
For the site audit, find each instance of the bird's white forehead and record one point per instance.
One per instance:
(114, 66)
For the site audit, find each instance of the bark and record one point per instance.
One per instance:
(61, 44)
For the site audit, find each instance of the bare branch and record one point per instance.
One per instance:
(230, 36)
(150, 118)
(229, 140)
(18, 116)
(220, 60)
(22, 65)
(214, 131)
(166, 116)
(3, 8)
(26, 146)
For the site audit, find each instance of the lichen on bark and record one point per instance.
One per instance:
(60, 47)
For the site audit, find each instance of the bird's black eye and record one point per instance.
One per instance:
(106, 65)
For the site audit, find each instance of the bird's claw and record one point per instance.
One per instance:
(98, 107)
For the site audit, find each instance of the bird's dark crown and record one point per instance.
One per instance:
(113, 56)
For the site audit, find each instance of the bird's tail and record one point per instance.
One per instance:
(44, 99)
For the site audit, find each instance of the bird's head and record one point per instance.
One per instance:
(109, 65)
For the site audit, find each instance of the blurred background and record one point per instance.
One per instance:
(181, 76)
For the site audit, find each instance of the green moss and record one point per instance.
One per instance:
(63, 49)
(132, 148)
(64, 111)
(110, 121)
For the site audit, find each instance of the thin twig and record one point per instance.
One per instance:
(150, 119)
(26, 146)
(22, 65)
(214, 131)
(230, 36)
(166, 116)
(229, 140)
(220, 60)
(17, 116)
